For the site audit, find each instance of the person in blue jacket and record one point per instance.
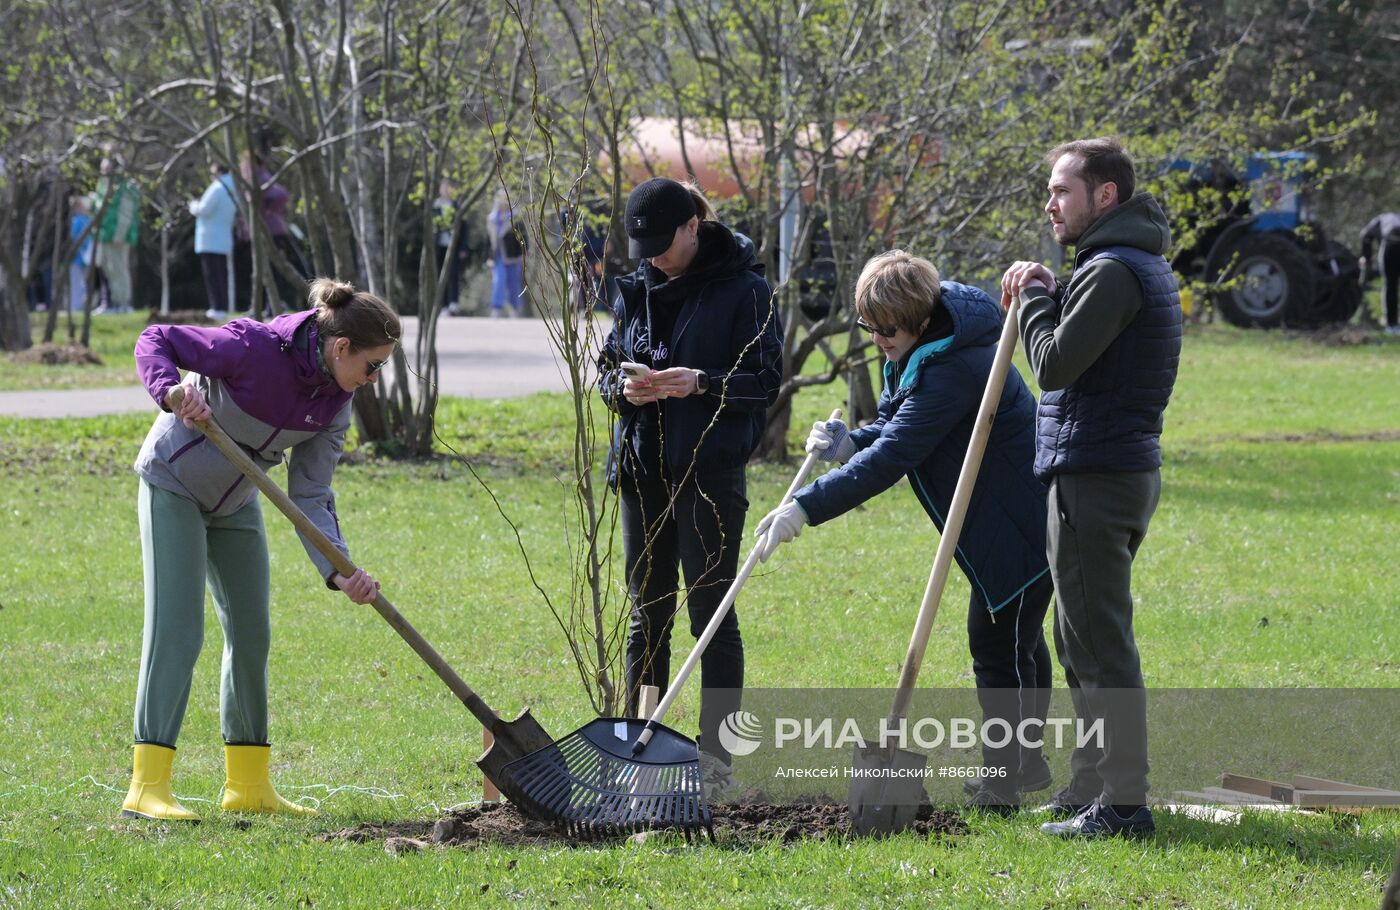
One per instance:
(939, 339)
(698, 316)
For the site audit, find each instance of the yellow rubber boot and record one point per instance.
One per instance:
(248, 788)
(150, 796)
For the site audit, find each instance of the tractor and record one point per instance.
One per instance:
(1265, 262)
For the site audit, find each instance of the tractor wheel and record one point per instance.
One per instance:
(1272, 278)
(1339, 283)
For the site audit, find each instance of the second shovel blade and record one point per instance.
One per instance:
(887, 789)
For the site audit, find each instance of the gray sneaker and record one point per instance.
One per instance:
(716, 777)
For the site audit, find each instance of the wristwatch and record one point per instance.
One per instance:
(702, 382)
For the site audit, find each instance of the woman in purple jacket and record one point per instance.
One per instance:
(284, 386)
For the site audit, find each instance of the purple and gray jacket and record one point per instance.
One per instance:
(267, 390)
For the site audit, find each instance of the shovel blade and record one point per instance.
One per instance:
(511, 740)
(887, 789)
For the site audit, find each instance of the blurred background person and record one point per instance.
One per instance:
(118, 231)
(214, 214)
(78, 220)
(1382, 236)
(507, 255)
(445, 219)
(273, 201)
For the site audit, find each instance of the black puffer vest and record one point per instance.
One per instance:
(1110, 418)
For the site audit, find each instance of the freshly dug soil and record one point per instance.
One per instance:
(1344, 336)
(181, 317)
(56, 354)
(735, 824)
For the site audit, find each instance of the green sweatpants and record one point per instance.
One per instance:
(180, 548)
(1096, 523)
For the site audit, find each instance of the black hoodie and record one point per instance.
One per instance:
(718, 317)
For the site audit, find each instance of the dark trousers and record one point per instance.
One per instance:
(454, 276)
(40, 290)
(1011, 663)
(701, 532)
(215, 269)
(1390, 276)
(1096, 524)
(243, 274)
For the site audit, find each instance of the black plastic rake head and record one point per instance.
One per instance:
(590, 783)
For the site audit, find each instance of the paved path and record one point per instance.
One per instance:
(477, 358)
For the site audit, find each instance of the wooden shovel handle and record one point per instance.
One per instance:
(952, 527)
(234, 452)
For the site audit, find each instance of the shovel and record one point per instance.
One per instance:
(512, 739)
(887, 782)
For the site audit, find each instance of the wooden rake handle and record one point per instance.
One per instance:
(234, 453)
(952, 528)
(722, 610)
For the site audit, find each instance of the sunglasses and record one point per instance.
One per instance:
(374, 366)
(884, 331)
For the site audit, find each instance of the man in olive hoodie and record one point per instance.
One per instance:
(1104, 349)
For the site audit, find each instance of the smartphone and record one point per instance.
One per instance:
(638, 371)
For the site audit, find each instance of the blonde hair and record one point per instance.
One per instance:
(359, 316)
(897, 288)
(703, 210)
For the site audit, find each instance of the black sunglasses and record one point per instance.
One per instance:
(885, 331)
(374, 366)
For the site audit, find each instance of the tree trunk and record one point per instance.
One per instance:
(14, 315)
(860, 396)
(165, 268)
(58, 287)
(773, 445)
(369, 412)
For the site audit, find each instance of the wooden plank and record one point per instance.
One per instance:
(1303, 782)
(1257, 786)
(1344, 798)
(1194, 796)
(1235, 797)
(1222, 797)
(1240, 801)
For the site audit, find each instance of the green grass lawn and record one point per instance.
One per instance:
(112, 340)
(1281, 499)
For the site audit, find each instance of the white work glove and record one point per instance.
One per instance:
(832, 439)
(779, 526)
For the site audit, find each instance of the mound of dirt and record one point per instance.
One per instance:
(738, 823)
(53, 354)
(181, 317)
(755, 821)
(1343, 336)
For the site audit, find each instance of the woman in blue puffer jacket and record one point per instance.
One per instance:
(939, 340)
